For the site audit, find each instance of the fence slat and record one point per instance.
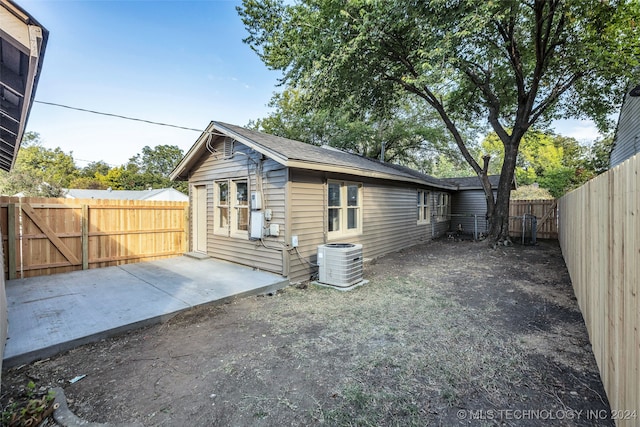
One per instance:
(62, 235)
(600, 241)
(51, 234)
(546, 211)
(11, 241)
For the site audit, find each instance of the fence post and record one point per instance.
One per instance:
(186, 229)
(475, 226)
(85, 237)
(11, 240)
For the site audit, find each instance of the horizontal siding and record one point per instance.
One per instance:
(273, 178)
(466, 203)
(627, 141)
(245, 252)
(389, 220)
(307, 222)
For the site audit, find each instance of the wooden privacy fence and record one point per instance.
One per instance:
(46, 236)
(600, 240)
(545, 211)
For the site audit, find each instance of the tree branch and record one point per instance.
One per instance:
(513, 53)
(432, 100)
(556, 92)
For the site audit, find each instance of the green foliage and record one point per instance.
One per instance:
(599, 154)
(151, 168)
(412, 135)
(93, 168)
(531, 192)
(557, 163)
(449, 167)
(159, 160)
(509, 64)
(86, 182)
(38, 171)
(45, 172)
(31, 410)
(558, 181)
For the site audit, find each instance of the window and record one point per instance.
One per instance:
(344, 208)
(424, 207)
(231, 210)
(221, 213)
(241, 206)
(443, 206)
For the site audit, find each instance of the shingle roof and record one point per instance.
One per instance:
(298, 154)
(472, 182)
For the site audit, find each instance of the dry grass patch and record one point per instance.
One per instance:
(439, 328)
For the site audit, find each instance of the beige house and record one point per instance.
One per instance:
(268, 202)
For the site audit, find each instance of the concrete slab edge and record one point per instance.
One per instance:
(43, 353)
(64, 417)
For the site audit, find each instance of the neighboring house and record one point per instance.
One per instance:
(627, 139)
(22, 44)
(268, 202)
(469, 206)
(159, 194)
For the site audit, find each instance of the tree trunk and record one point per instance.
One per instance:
(499, 217)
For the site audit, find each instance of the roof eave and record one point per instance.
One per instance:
(323, 167)
(29, 37)
(196, 151)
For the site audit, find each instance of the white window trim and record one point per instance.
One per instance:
(344, 210)
(443, 207)
(421, 205)
(234, 208)
(231, 230)
(217, 230)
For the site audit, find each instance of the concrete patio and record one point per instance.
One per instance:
(51, 314)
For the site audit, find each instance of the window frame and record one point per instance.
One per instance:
(235, 231)
(218, 208)
(232, 207)
(443, 207)
(424, 207)
(344, 210)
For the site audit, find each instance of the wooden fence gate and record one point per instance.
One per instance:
(46, 236)
(546, 212)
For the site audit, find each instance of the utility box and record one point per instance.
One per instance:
(257, 219)
(256, 200)
(274, 230)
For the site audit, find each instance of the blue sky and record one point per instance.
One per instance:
(178, 62)
(182, 63)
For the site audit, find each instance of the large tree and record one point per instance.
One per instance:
(39, 171)
(407, 133)
(159, 160)
(510, 64)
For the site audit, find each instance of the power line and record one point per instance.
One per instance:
(118, 116)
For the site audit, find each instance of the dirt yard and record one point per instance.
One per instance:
(446, 333)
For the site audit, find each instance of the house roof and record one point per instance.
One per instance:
(163, 194)
(472, 182)
(22, 45)
(296, 154)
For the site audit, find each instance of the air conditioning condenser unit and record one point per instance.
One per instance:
(340, 264)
